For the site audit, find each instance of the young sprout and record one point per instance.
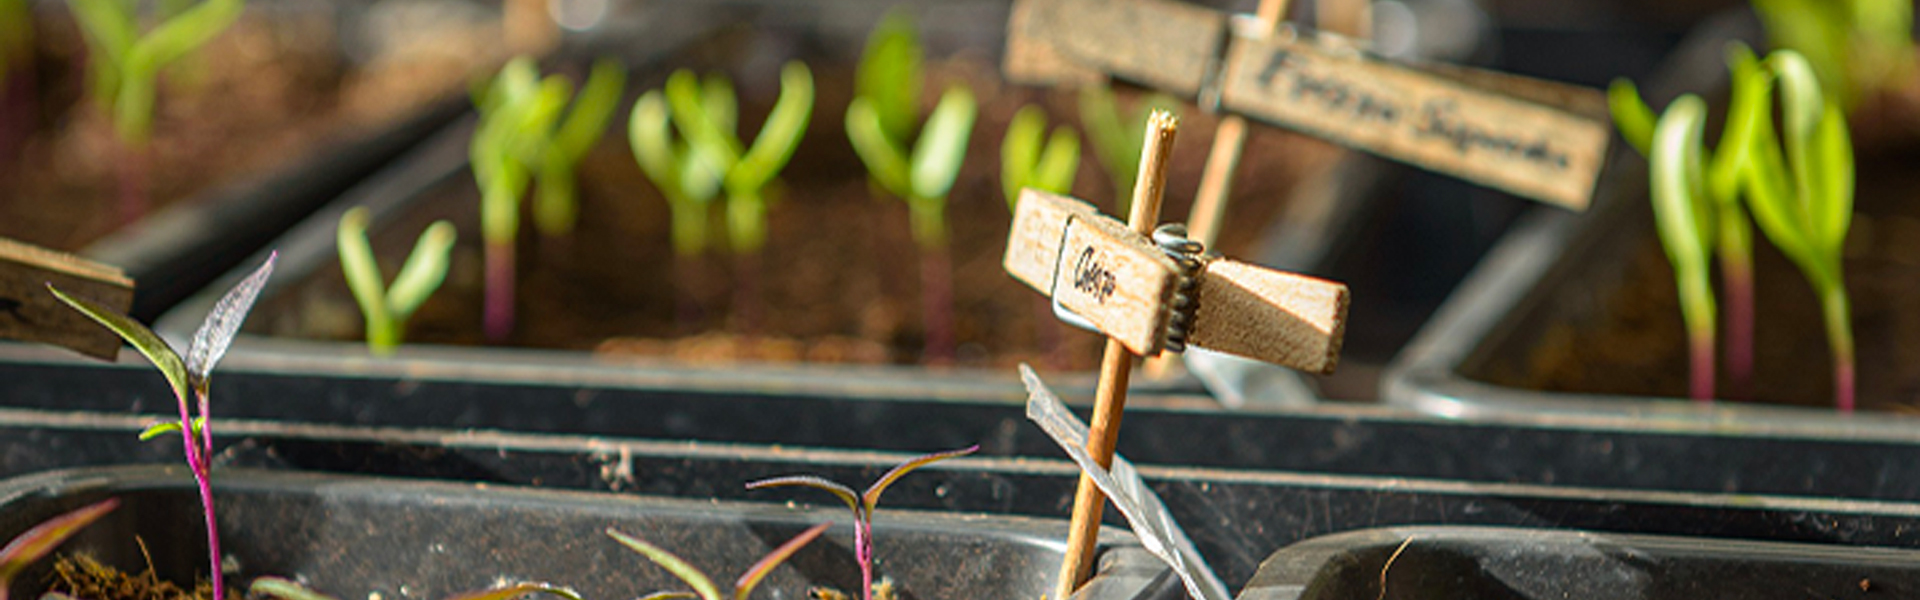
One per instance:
(189, 376)
(888, 89)
(1684, 218)
(705, 116)
(286, 589)
(1117, 141)
(1732, 238)
(126, 69)
(386, 310)
(38, 542)
(703, 586)
(1029, 158)
(1858, 47)
(687, 183)
(863, 504)
(556, 207)
(1802, 199)
(517, 112)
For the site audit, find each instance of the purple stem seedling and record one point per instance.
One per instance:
(703, 586)
(863, 504)
(880, 123)
(40, 541)
(189, 377)
(517, 112)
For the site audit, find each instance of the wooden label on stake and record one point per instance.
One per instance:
(1167, 44)
(1124, 284)
(1497, 135)
(28, 312)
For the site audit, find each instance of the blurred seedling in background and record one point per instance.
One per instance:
(1858, 47)
(285, 589)
(862, 503)
(703, 586)
(1801, 192)
(688, 184)
(1117, 138)
(706, 116)
(189, 376)
(387, 309)
(881, 123)
(517, 112)
(1031, 158)
(126, 67)
(556, 204)
(42, 539)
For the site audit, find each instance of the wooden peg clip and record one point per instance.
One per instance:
(29, 313)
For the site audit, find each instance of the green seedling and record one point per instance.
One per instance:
(687, 182)
(40, 541)
(285, 589)
(706, 116)
(703, 586)
(1858, 47)
(1684, 217)
(517, 112)
(556, 206)
(880, 120)
(1118, 140)
(1802, 194)
(387, 309)
(862, 503)
(126, 68)
(1030, 158)
(189, 376)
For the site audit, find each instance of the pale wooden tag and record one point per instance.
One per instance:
(1031, 60)
(1488, 128)
(1165, 44)
(1124, 284)
(28, 312)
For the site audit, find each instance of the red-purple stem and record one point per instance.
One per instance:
(863, 552)
(1737, 279)
(1700, 386)
(498, 318)
(134, 161)
(1839, 319)
(936, 297)
(197, 449)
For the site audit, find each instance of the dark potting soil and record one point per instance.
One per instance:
(81, 577)
(1634, 343)
(266, 91)
(839, 280)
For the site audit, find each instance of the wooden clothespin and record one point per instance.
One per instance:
(1149, 294)
(29, 313)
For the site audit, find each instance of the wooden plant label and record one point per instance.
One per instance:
(1125, 285)
(28, 312)
(1538, 139)
(1166, 44)
(1445, 123)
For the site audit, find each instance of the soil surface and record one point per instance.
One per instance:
(840, 278)
(264, 92)
(83, 578)
(1631, 341)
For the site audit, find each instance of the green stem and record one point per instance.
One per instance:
(1838, 315)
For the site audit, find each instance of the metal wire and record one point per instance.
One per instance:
(1189, 255)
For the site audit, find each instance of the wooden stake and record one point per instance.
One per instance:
(29, 313)
(1216, 182)
(1116, 366)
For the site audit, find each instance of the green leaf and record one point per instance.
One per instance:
(673, 564)
(592, 108)
(108, 26)
(424, 270)
(872, 497)
(151, 346)
(284, 589)
(1747, 104)
(1020, 151)
(1100, 116)
(943, 145)
(42, 539)
(217, 331)
(362, 272)
(177, 36)
(722, 105)
(718, 149)
(760, 569)
(846, 494)
(889, 76)
(1677, 212)
(1832, 205)
(1630, 114)
(652, 142)
(885, 162)
(1060, 163)
(159, 429)
(780, 135)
